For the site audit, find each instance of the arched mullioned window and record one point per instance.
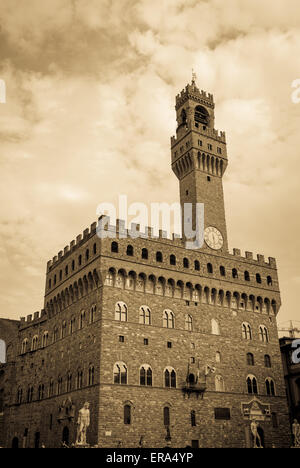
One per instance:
(270, 386)
(120, 373)
(209, 268)
(145, 315)
(186, 263)
(250, 359)
(222, 271)
(19, 395)
(51, 388)
(24, 346)
(59, 385)
(66, 270)
(267, 359)
(79, 379)
(30, 391)
(146, 375)
(73, 265)
(114, 247)
(64, 329)
(159, 257)
(91, 375)
(219, 383)
(72, 325)
(263, 334)
(246, 331)
(197, 265)
(252, 385)
(121, 312)
(87, 254)
(45, 339)
(34, 343)
(188, 322)
(145, 254)
(129, 250)
(41, 390)
(95, 249)
(69, 382)
(80, 260)
(168, 319)
(81, 319)
(170, 377)
(55, 334)
(93, 310)
(246, 276)
(172, 259)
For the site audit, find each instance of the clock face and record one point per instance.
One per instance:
(213, 238)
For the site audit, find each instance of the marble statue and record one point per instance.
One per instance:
(83, 423)
(257, 438)
(296, 433)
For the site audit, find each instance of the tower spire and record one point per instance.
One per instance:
(194, 77)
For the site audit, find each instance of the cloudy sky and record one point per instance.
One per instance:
(89, 112)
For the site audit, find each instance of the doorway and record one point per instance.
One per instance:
(15, 443)
(65, 435)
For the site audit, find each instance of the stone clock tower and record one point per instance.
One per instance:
(199, 160)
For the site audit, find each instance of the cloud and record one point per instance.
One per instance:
(91, 90)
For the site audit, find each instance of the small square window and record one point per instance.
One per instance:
(169, 344)
(146, 341)
(121, 338)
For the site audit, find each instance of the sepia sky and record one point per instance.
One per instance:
(89, 113)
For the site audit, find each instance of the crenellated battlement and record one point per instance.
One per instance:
(191, 91)
(74, 244)
(217, 135)
(34, 318)
(260, 259)
(117, 230)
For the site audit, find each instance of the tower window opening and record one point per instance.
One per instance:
(208, 178)
(201, 115)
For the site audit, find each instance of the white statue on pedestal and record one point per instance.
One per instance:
(296, 433)
(83, 423)
(256, 435)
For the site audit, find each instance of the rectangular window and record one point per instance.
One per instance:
(199, 142)
(192, 360)
(209, 146)
(169, 344)
(195, 443)
(146, 341)
(121, 338)
(219, 150)
(222, 413)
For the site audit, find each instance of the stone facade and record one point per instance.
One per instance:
(170, 346)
